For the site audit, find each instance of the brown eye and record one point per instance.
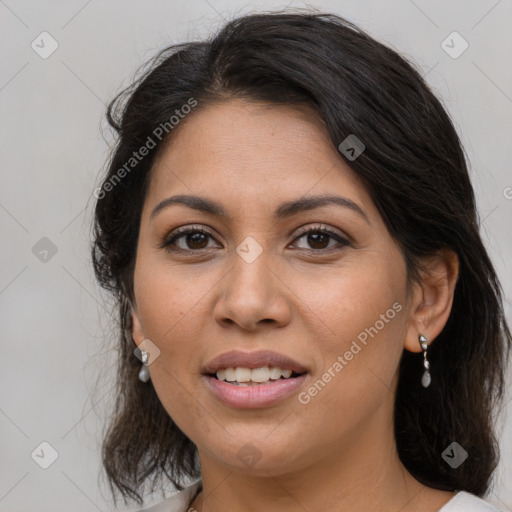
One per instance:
(194, 239)
(318, 239)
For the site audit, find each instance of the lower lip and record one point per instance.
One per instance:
(253, 397)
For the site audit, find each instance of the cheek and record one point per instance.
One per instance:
(166, 308)
(165, 294)
(361, 312)
(169, 308)
(352, 297)
(359, 363)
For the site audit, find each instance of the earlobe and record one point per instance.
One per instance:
(432, 299)
(137, 331)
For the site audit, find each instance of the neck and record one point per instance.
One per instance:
(363, 474)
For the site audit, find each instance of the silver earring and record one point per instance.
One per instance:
(426, 379)
(144, 369)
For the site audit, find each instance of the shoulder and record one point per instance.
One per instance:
(466, 502)
(178, 502)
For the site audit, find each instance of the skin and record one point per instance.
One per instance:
(304, 300)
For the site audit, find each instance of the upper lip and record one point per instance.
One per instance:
(251, 360)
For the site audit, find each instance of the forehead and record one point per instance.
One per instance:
(252, 152)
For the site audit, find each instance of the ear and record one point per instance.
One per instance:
(432, 299)
(137, 330)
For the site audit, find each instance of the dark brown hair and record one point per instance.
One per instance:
(414, 168)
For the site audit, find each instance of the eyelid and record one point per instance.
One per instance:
(319, 227)
(342, 240)
(183, 230)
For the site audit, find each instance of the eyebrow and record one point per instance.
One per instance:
(284, 210)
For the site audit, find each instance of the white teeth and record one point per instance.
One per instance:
(258, 375)
(275, 373)
(243, 374)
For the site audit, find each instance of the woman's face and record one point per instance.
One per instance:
(334, 300)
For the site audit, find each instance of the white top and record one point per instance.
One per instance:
(180, 502)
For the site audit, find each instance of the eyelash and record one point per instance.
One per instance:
(168, 242)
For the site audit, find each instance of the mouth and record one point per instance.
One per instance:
(250, 380)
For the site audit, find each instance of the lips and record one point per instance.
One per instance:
(254, 397)
(252, 360)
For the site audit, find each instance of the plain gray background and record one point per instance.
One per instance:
(55, 320)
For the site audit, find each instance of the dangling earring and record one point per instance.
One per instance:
(144, 369)
(426, 379)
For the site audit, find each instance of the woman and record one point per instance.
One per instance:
(289, 229)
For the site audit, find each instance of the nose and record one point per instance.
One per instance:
(252, 295)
